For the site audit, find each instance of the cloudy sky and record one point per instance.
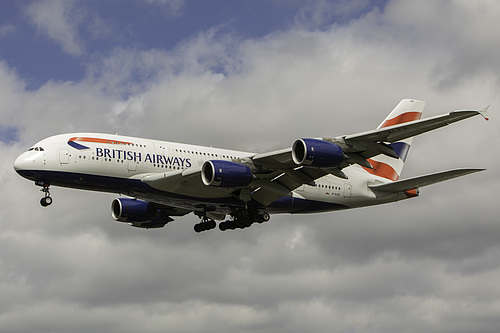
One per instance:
(251, 75)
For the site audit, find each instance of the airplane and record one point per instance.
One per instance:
(161, 180)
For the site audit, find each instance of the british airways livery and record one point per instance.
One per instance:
(162, 180)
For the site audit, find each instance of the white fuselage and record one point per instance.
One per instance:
(117, 164)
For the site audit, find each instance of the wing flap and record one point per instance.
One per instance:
(416, 182)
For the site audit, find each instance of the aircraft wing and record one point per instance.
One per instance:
(284, 175)
(410, 129)
(276, 174)
(367, 144)
(184, 182)
(171, 181)
(417, 182)
(361, 146)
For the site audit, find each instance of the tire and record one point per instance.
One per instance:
(212, 224)
(265, 217)
(46, 201)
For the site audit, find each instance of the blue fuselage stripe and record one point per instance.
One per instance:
(136, 188)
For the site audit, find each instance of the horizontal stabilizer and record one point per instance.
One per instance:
(416, 182)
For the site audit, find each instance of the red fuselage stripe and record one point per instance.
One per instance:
(96, 140)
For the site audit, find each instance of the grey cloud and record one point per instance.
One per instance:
(426, 264)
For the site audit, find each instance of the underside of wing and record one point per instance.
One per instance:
(421, 181)
(186, 182)
(269, 187)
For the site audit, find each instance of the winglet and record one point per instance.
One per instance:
(484, 111)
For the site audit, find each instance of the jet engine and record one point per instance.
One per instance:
(317, 153)
(138, 213)
(225, 174)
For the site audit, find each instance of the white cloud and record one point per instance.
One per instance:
(58, 20)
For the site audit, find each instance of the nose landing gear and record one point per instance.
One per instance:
(46, 200)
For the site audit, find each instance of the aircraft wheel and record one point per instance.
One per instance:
(264, 217)
(204, 226)
(46, 201)
(213, 224)
(223, 226)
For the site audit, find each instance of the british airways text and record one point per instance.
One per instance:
(137, 157)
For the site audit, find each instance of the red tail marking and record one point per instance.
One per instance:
(382, 170)
(402, 118)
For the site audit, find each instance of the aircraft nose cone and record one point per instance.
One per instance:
(19, 164)
(26, 166)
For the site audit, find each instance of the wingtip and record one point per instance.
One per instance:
(473, 170)
(484, 111)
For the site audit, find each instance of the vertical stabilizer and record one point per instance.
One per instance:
(388, 167)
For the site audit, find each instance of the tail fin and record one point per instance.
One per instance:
(388, 167)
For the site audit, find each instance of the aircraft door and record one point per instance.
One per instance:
(63, 156)
(160, 148)
(347, 190)
(132, 165)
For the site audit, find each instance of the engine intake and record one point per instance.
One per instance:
(132, 210)
(317, 153)
(225, 174)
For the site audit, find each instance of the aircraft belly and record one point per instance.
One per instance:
(194, 198)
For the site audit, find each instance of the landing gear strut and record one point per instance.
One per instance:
(46, 200)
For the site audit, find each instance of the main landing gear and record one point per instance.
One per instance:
(240, 219)
(244, 218)
(46, 200)
(206, 223)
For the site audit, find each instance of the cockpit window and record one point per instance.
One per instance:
(32, 148)
(36, 149)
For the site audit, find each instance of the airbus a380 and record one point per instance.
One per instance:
(166, 179)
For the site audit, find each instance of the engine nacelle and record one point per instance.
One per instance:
(132, 210)
(225, 174)
(138, 213)
(317, 153)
